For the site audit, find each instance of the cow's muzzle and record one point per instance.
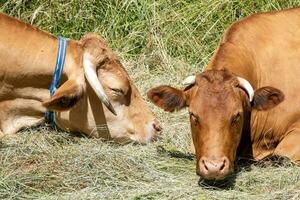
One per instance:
(213, 169)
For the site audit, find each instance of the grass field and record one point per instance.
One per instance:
(158, 41)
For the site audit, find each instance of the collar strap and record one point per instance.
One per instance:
(60, 60)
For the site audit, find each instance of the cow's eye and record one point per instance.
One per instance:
(117, 91)
(236, 118)
(194, 118)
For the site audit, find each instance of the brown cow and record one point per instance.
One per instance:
(233, 104)
(27, 61)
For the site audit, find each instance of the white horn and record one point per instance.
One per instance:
(92, 78)
(247, 86)
(189, 80)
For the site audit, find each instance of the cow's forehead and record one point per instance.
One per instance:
(215, 83)
(215, 76)
(221, 96)
(119, 71)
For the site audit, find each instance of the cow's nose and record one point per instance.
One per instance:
(156, 130)
(156, 126)
(214, 168)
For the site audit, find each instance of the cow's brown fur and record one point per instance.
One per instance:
(263, 49)
(27, 61)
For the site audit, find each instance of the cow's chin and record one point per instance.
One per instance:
(131, 139)
(123, 136)
(218, 177)
(122, 140)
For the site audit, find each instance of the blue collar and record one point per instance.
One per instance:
(59, 66)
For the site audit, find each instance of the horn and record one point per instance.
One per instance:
(189, 80)
(247, 86)
(92, 78)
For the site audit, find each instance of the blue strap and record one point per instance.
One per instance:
(60, 60)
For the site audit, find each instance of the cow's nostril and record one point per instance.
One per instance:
(203, 162)
(223, 165)
(156, 126)
(131, 132)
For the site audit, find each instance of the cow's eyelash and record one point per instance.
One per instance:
(236, 118)
(116, 90)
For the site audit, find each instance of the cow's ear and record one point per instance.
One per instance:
(266, 98)
(65, 97)
(167, 98)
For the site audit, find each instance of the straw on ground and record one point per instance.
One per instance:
(159, 41)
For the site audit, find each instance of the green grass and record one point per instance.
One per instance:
(159, 42)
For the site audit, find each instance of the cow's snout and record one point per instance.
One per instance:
(217, 168)
(151, 132)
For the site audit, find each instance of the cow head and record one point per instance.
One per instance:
(218, 103)
(101, 78)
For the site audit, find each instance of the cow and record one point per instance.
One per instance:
(245, 103)
(92, 76)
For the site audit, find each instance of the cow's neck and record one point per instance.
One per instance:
(28, 55)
